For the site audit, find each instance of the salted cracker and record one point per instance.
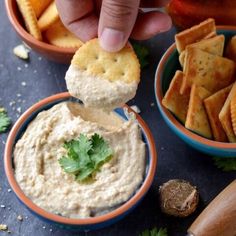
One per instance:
(102, 79)
(21, 51)
(207, 70)
(174, 101)
(196, 33)
(213, 105)
(29, 17)
(48, 17)
(39, 6)
(231, 49)
(233, 113)
(225, 116)
(213, 45)
(59, 36)
(197, 120)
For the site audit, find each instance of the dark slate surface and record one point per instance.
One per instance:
(175, 158)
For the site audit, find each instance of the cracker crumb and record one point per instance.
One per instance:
(18, 95)
(152, 104)
(50, 230)
(44, 227)
(26, 217)
(19, 68)
(21, 51)
(20, 218)
(35, 71)
(8, 231)
(18, 109)
(2, 206)
(11, 103)
(39, 58)
(3, 227)
(26, 65)
(9, 208)
(9, 190)
(23, 83)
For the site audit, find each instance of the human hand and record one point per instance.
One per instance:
(119, 20)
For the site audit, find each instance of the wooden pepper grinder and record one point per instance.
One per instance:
(219, 217)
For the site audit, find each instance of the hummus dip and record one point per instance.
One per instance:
(42, 179)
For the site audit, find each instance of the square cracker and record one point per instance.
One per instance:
(213, 45)
(233, 112)
(39, 6)
(209, 71)
(225, 116)
(213, 105)
(196, 33)
(174, 101)
(231, 49)
(197, 120)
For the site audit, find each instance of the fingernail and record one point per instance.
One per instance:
(112, 40)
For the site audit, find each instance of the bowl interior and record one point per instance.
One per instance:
(18, 130)
(165, 72)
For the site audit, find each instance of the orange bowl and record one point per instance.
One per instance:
(51, 52)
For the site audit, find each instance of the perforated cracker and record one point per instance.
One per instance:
(29, 17)
(59, 36)
(205, 29)
(39, 6)
(207, 70)
(174, 101)
(213, 105)
(197, 120)
(48, 17)
(122, 65)
(225, 116)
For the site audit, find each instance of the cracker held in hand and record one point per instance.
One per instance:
(205, 29)
(48, 17)
(213, 45)
(197, 120)
(29, 17)
(225, 116)
(209, 71)
(59, 36)
(39, 6)
(213, 105)
(102, 79)
(174, 101)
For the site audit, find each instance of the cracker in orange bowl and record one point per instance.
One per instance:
(174, 101)
(59, 36)
(233, 112)
(39, 6)
(213, 105)
(102, 79)
(207, 70)
(29, 17)
(48, 17)
(197, 120)
(225, 116)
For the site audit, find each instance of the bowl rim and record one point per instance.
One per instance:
(28, 37)
(165, 112)
(69, 221)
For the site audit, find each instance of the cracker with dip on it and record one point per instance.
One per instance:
(101, 79)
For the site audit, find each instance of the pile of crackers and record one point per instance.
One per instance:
(203, 95)
(43, 23)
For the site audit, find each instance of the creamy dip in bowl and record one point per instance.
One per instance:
(41, 184)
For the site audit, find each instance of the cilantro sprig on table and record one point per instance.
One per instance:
(142, 54)
(154, 232)
(5, 121)
(85, 156)
(226, 164)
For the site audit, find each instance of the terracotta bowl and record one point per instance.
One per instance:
(88, 223)
(51, 52)
(164, 74)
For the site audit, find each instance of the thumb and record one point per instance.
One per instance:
(117, 19)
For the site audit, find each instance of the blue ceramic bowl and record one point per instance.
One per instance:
(164, 74)
(78, 224)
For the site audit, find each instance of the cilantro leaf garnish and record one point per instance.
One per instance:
(142, 54)
(226, 164)
(154, 232)
(85, 156)
(4, 120)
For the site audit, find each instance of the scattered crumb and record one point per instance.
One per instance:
(39, 58)
(19, 68)
(152, 104)
(2, 206)
(18, 95)
(23, 83)
(9, 190)
(9, 208)
(21, 51)
(162, 148)
(44, 227)
(18, 109)
(26, 217)
(8, 231)
(3, 142)
(11, 103)
(19, 100)
(23, 101)
(20, 218)
(136, 108)
(35, 71)
(3, 227)
(50, 230)
(26, 65)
